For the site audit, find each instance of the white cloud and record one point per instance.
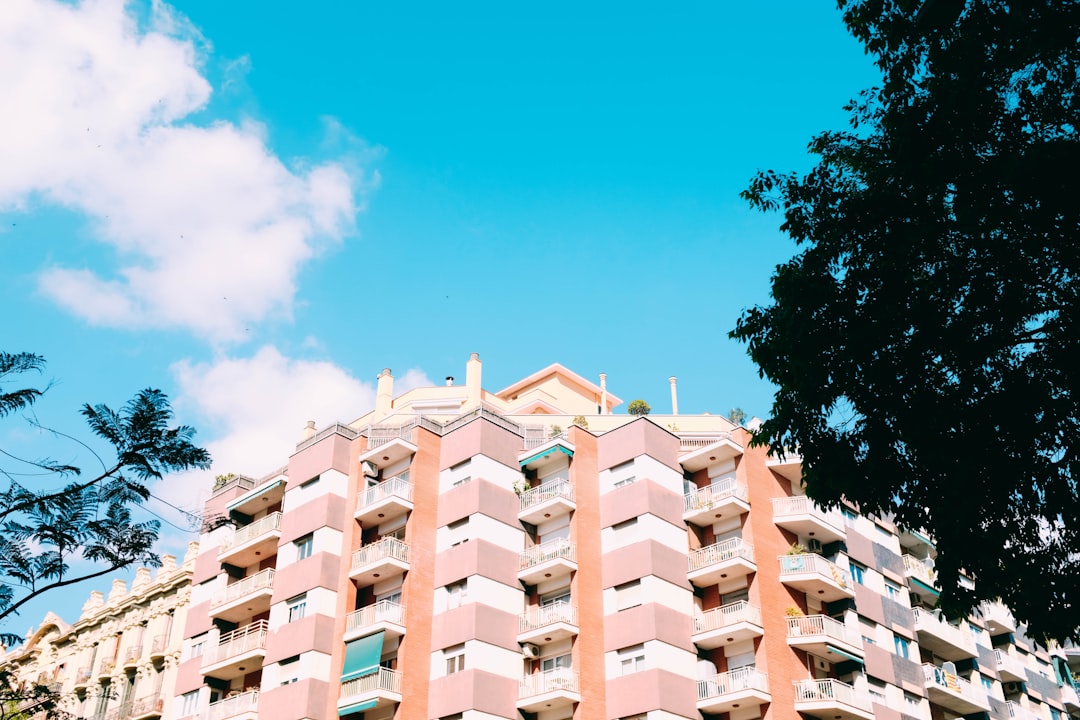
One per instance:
(250, 412)
(209, 226)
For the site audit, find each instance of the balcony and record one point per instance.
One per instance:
(237, 653)
(824, 637)
(954, 693)
(918, 570)
(548, 690)
(382, 688)
(548, 623)
(159, 647)
(82, 679)
(106, 668)
(391, 447)
(1019, 712)
(385, 501)
(814, 575)
(724, 498)
(132, 656)
(147, 707)
(1070, 699)
(545, 501)
(384, 616)
(253, 542)
(831, 699)
(554, 558)
(1010, 667)
(998, 618)
(743, 687)
(244, 706)
(702, 450)
(802, 516)
(385, 558)
(726, 624)
(945, 640)
(731, 558)
(244, 598)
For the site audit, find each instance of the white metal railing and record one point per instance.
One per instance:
(539, 617)
(548, 681)
(801, 505)
(232, 706)
(537, 441)
(824, 690)
(1010, 662)
(560, 488)
(919, 570)
(745, 678)
(726, 615)
(262, 580)
(487, 413)
(381, 549)
(396, 486)
(813, 563)
(720, 552)
(810, 625)
(929, 622)
(382, 611)
(132, 654)
(1019, 712)
(147, 705)
(551, 550)
(249, 532)
(708, 496)
(240, 481)
(237, 642)
(382, 681)
(688, 443)
(381, 434)
(937, 676)
(158, 645)
(335, 429)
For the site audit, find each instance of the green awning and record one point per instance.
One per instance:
(362, 656)
(844, 654)
(545, 453)
(923, 587)
(357, 707)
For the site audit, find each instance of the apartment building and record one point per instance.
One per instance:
(530, 553)
(119, 659)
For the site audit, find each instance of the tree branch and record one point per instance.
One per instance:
(12, 609)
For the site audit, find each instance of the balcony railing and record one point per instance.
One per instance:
(249, 532)
(551, 550)
(688, 443)
(547, 491)
(710, 495)
(547, 615)
(381, 434)
(938, 676)
(810, 625)
(239, 641)
(727, 615)
(1019, 712)
(106, 667)
(396, 486)
(802, 505)
(826, 690)
(381, 549)
(745, 678)
(919, 570)
(132, 654)
(960, 637)
(237, 481)
(382, 611)
(147, 705)
(720, 552)
(813, 563)
(262, 580)
(83, 676)
(158, 645)
(247, 702)
(382, 681)
(548, 681)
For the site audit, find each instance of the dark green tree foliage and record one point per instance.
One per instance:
(925, 339)
(71, 526)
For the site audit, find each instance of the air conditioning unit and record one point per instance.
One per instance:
(814, 545)
(530, 651)
(369, 469)
(1012, 688)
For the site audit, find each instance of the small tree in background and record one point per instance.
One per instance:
(737, 416)
(638, 407)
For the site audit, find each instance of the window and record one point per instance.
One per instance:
(189, 703)
(857, 571)
(289, 670)
(554, 663)
(308, 483)
(455, 659)
(562, 595)
(457, 593)
(198, 645)
(628, 595)
(849, 517)
(892, 590)
(912, 702)
(735, 596)
(459, 531)
(625, 532)
(1054, 714)
(625, 481)
(631, 659)
(901, 646)
(625, 525)
(986, 682)
(297, 607)
(304, 546)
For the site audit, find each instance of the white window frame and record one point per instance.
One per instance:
(305, 546)
(628, 595)
(297, 607)
(457, 594)
(455, 659)
(631, 659)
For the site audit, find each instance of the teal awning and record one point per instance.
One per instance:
(923, 587)
(555, 448)
(357, 707)
(362, 656)
(844, 654)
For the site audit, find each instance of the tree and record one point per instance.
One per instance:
(53, 536)
(638, 407)
(925, 339)
(737, 415)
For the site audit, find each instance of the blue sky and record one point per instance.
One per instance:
(257, 208)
